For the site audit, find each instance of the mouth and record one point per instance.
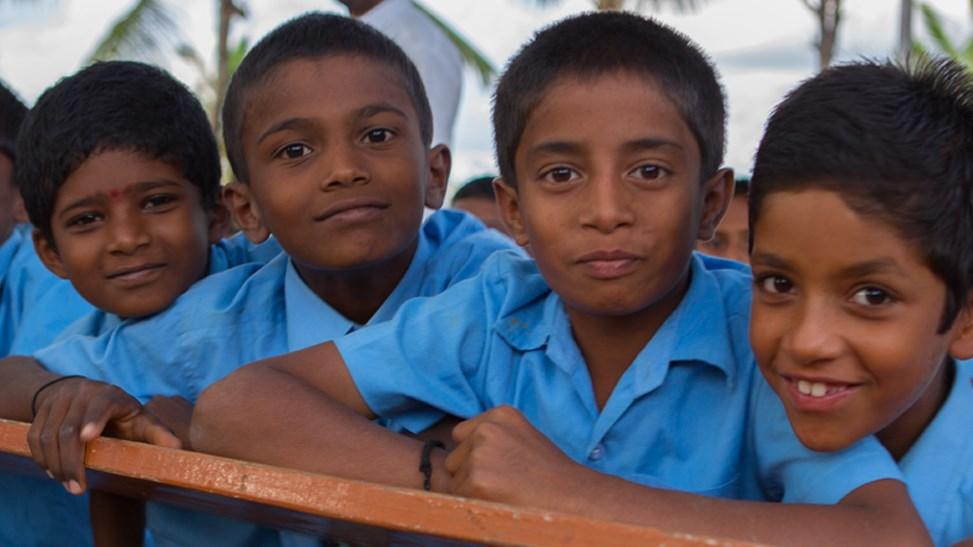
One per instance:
(610, 264)
(818, 394)
(353, 210)
(137, 275)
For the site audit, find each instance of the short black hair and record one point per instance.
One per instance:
(479, 187)
(115, 105)
(896, 143)
(741, 186)
(12, 113)
(308, 36)
(593, 44)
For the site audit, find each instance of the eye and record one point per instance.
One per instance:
(872, 297)
(294, 151)
(559, 175)
(84, 219)
(156, 201)
(648, 171)
(378, 135)
(774, 284)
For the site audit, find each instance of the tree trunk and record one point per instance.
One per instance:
(828, 15)
(227, 10)
(905, 30)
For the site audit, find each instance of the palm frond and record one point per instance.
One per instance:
(934, 26)
(470, 55)
(143, 33)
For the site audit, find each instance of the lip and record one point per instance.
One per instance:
(839, 391)
(609, 264)
(135, 276)
(353, 210)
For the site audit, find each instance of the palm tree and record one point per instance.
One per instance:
(933, 22)
(827, 13)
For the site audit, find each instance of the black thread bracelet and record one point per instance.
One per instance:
(425, 466)
(33, 400)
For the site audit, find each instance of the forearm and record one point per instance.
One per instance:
(265, 415)
(890, 521)
(20, 378)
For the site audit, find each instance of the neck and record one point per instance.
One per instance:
(357, 294)
(899, 436)
(610, 344)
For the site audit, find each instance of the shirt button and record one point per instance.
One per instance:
(596, 453)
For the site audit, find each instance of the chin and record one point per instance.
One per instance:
(823, 442)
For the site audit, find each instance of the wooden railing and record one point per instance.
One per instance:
(352, 511)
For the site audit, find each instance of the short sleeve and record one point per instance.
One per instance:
(792, 473)
(425, 362)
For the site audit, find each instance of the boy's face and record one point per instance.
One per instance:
(338, 169)
(130, 233)
(845, 314)
(732, 235)
(609, 199)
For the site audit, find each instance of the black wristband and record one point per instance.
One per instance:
(425, 466)
(33, 400)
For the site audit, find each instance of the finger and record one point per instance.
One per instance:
(147, 428)
(34, 439)
(50, 436)
(457, 458)
(104, 408)
(71, 447)
(464, 429)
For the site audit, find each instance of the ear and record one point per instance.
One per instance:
(961, 345)
(717, 195)
(238, 198)
(218, 221)
(48, 254)
(20, 211)
(508, 201)
(440, 162)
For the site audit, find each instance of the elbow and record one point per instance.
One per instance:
(216, 413)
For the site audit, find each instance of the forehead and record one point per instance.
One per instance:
(609, 109)
(116, 171)
(330, 84)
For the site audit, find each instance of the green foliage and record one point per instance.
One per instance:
(943, 44)
(142, 33)
(470, 55)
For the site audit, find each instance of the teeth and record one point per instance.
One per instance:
(816, 389)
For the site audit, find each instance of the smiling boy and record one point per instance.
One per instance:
(862, 211)
(612, 375)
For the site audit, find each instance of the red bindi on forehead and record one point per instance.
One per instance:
(114, 193)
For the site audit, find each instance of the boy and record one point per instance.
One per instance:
(28, 291)
(120, 174)
(732, 236)
(327, 125)
(477, 198)
(862, 212)
(620, 345)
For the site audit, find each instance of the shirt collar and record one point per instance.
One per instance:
(698, 330)
(311, 320)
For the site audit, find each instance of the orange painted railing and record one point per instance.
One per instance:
(353, 511)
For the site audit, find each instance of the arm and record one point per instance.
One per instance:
(20, 377)
(322, 421)
(499, 452)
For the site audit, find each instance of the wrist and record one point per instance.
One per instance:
(45, 389)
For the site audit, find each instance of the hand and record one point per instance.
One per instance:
(75, 411)
(175, 413)
(501, 457)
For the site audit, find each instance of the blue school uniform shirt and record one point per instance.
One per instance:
(939, 467)
(38, 511)
(33, 301)
(691, 413)
(246, 314)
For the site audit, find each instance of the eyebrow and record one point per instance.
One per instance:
(138, 187)
(364, 112)
(570, 147)
(370, 110)
(861, 269)
(284, 125)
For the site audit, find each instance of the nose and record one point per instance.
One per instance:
(346, 167)
(813, 336)
(607, 204)
(128, 233)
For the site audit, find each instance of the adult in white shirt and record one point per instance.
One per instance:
(437, 59)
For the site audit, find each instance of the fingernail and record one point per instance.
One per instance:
(49, 474)
(74, 487)
(87, 431)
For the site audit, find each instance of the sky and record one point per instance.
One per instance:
(762, 48)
